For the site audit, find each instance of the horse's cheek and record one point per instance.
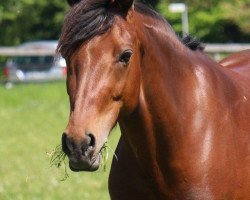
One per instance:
(132, 91)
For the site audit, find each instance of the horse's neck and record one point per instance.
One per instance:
(177, 103)
(174, 79)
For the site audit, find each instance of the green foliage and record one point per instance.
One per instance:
(210, 20)
(25, 20)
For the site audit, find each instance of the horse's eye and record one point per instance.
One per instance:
(125, 57)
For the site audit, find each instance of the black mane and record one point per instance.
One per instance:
(85, 20)
(192, 43)
(89, 18)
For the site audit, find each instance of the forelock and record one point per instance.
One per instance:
(84, 21)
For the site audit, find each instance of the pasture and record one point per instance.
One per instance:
(32, 118)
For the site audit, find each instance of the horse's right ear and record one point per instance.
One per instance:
(123, 5)
(73, 2)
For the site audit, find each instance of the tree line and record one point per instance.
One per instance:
(212, 21)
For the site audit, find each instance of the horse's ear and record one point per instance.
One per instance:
(73, 2)
(122, 5)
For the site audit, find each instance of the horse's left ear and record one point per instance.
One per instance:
(122, 5)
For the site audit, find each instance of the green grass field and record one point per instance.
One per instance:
(32, 119)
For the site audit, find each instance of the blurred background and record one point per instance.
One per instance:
(213, 21)
(33, 101)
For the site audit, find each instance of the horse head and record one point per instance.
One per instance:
(103, 80)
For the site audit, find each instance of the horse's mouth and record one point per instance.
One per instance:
(83, 165)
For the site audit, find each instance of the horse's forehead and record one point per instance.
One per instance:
(120, 32)
(123, 30)
(121, 24)
(120, 35)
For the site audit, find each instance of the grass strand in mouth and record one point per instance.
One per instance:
(105, 155)
(57, 159)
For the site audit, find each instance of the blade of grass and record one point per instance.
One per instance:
(57, 159)
(105, 155)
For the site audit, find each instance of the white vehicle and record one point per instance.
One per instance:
(35, 68)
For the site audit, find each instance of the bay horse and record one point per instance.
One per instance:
(184, 119)
(239, 62)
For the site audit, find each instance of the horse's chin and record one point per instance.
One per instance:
(83, 166)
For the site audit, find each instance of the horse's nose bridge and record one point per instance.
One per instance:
(86, 101)
(81, 122)
(76, 127)
(87, 110)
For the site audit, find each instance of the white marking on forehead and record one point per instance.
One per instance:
(245, 99)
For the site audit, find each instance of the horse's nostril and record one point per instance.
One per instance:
(91, 139)
(86, 147)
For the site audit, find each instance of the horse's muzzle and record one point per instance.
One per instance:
(81, 154)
